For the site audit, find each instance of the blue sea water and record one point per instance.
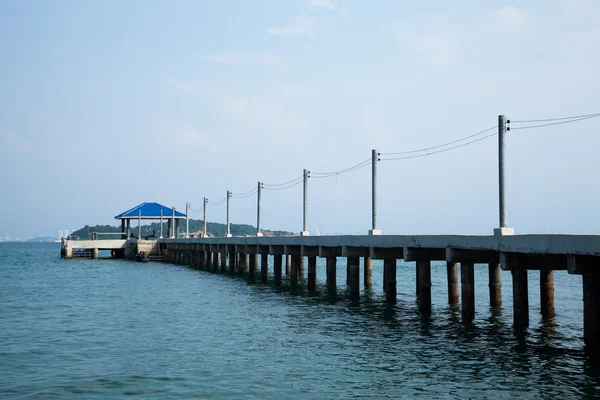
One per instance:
(110, 328)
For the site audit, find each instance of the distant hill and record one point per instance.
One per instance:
(42, 239)
(214, 229)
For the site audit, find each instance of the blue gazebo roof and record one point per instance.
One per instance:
(149, 211)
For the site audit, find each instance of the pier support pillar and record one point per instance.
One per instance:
(331, 274)
(368, 272)
(312, 273)
(242, 263)
(277, 264)
(295, 261)
(217, 260)
(495, 285)
(94, 254)
(520, 298)
(452, 272)
(467, 280)
(252, 266)
(547, 292)
(591, 311)
(288, 264)
(424, 274)
(264, 267)
(232, 262)
(224, 261)
(354, 276)
(389, 267)
(301, 268)
(417, 283)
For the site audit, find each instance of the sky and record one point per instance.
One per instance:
(108, 104)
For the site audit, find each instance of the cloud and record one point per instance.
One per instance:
(512, 16)
(432, 46)
(327, 4)
(10, 143)
(248, 58)
(304, 25)
(181, 86)
(193, 140)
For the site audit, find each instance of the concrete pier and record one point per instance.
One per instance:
(368, 272)
(547, 292)
(277, 268)
(312, 273)
(452, 277)
(354, 276)
(467, 280)
(495, 285)
(389, 265)
(295, 261)
(252, 266)
(424, 278)
(223, 258)
(331, 274)
(301, 268)
(264, 267)
(591, 310)
(288, 264)
(520, 298)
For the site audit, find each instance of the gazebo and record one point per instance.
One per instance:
(151, 211)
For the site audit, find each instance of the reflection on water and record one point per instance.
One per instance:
(87, 328)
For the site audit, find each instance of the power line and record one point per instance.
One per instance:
(216, 203)
(441, 145)
(556, 123)
(283, 184)
(349, 169)
(286, 187)
(555, 119)
(440, 151)
(247, 194)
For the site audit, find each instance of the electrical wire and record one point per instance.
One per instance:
(440, 151)
(349, 169)
(283, 184)
(248, 194)
(441, 145)
(556, 119)
(216, 203)
(286, 187)
(555, 123)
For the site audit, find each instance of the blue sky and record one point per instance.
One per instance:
(104, 105)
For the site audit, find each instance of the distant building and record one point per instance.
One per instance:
(60, 235)
(66, 233)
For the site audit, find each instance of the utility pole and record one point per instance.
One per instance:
(228, 226)
(258, 232)
(187, 221)
(161, 223)
(305, 232)
(502, 229)
(204, 221)
(374, 159)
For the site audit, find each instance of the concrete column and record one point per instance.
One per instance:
(217, 260)
(312, 273)
(301, 268)
(224, 261)
(128, 228)
(418, 285)
(424, 274)
(354, 275)
(264, 267)
(547, 292)
(452, 272)
(368, 273)
(389, 266)
(385, 271)
(277, 264)
(294, 270)
(253, 259)
(288, 264)
(94, 254)
(238, 258)
(232, 262)
(520, 298)
(495, 285)
(591, 311)
(242, 265)
(467, 280)
(201, 259)
(331, 274)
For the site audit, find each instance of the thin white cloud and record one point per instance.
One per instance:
(248, 58)
(512, 16)
(327, 4)
(432, 46)
(304, 25)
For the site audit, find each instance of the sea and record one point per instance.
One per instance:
(97, 329)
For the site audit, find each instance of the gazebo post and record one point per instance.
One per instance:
(161, 223)
(128, 228)
(139, 224)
